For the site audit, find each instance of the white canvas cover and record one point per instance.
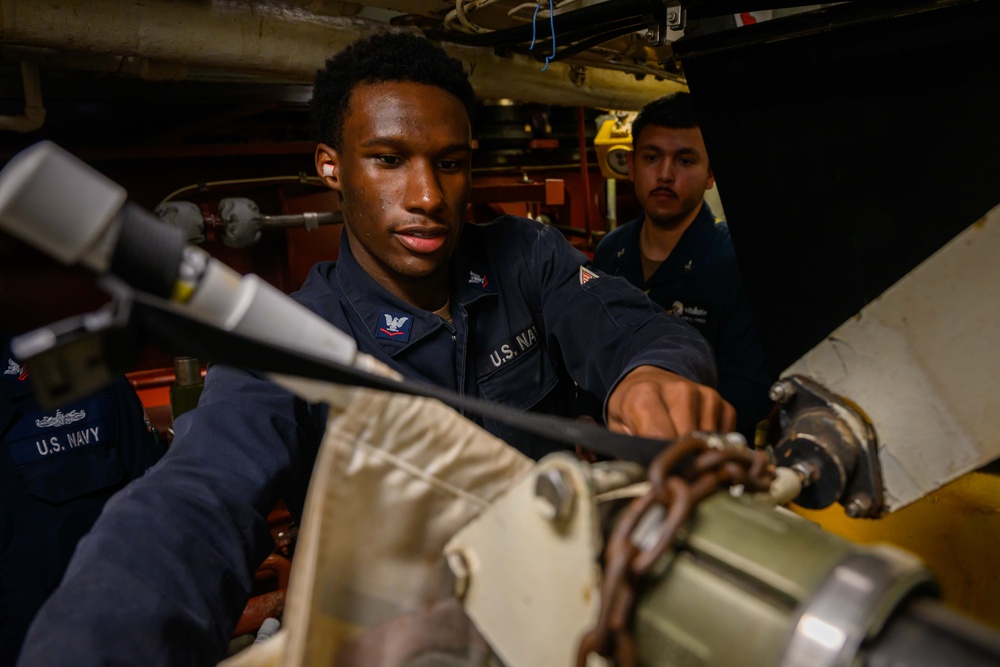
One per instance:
(396, 477)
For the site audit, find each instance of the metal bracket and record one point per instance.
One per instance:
(676, 16)
(830, 443)
(77, 356)
(533, 554)
(672, 18)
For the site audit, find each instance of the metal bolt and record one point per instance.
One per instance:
(712, 439)
(460, 569)
(781, 392)
(672, 17)
(807, 472)
(553, 489)
(723, 441)
(858, 505)
(736, 441)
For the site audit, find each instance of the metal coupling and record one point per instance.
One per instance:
(807, 472)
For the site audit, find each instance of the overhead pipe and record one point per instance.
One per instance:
(586, 19)
(280, 40)
(34, 113)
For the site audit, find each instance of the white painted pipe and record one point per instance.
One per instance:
(34, 113)
(287, 42)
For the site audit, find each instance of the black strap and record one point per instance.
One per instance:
(181, 334)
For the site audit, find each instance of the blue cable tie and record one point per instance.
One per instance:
(534, 20)
(552, 27)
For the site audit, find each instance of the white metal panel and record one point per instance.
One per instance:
(923, 362)
(534, 584)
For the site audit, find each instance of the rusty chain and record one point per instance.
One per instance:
(680, 477)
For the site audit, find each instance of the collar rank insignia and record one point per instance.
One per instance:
(395, 327)
(16, 369)
(586, 275)
(482, 282)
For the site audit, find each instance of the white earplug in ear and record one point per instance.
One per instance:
(328, 169)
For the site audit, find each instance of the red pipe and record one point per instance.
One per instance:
(258, 609)
(584, 172)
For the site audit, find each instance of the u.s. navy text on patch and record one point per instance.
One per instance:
(507, 351)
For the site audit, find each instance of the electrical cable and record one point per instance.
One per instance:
(607, 31)
(310, 180)
(569, 36)
(552, 26)
(461, 13)
(515, 10)
(586, 18)
(534, 24)
(597, 40)
(175, 330)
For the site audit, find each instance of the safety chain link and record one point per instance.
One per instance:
(680, 477)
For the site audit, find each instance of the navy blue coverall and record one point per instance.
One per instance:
(700, 282)
(57, 469)
(530, 319)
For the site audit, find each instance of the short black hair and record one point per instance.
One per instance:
(674, 110)
(393, 56)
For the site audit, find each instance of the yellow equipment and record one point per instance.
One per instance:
(613, 143)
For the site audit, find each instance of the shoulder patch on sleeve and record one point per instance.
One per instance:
(586, 275)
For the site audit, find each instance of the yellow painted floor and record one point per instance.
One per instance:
(955, 530)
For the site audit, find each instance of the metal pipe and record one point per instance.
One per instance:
(586, 19)
(925, 633)
(277, 39)
(611, 196)
(34, 111)
(307, 220)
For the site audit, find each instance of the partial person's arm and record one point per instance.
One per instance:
(655, 371)
(656, 403)
(165, 572)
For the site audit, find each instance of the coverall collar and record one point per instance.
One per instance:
(382, 311)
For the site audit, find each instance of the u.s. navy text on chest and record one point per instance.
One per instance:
(54, 445)
(509, 350)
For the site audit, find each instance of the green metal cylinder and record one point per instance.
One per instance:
(750, 584)
(187, 386)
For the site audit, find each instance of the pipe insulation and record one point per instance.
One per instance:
(33, 115)
(282, 41)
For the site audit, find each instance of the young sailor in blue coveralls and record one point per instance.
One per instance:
(506, 311)
(682, 257)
